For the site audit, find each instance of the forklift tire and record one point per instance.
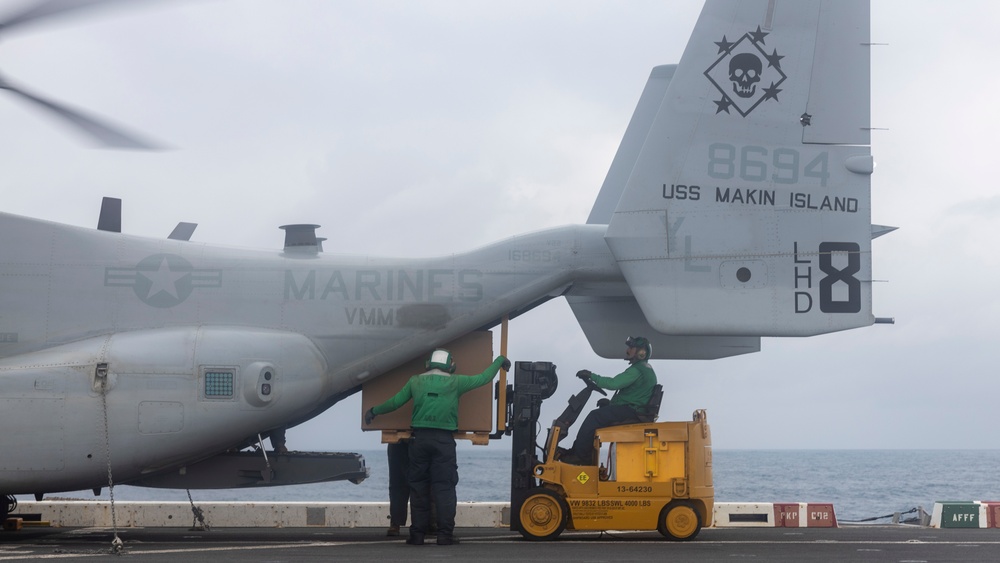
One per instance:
(679, 521)
(543, 515)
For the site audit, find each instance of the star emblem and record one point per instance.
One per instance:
(771, 93)
(724, 46)
(774, 59)
(163, 280)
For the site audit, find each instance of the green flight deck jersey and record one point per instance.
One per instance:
(435, 396)
(633, 387)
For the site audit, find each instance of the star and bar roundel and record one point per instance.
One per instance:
(163, 280)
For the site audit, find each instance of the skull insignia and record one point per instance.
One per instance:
(744, 71)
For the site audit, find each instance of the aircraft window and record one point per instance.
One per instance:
(218, 384)
(743, 274)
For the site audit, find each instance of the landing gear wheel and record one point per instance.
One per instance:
(543, 515)
(679, 521)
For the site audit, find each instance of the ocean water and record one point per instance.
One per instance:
(860, 483)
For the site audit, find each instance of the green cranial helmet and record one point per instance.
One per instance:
(642, 344)
(442, 360)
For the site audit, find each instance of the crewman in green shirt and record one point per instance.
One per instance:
(633, 389)
(433, 465)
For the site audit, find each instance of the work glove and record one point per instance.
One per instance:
(584, 374)
(369, 416)
(505, 365)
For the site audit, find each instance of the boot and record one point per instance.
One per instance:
(415, 539)
(447, 540)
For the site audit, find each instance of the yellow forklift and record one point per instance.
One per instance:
(655, 475)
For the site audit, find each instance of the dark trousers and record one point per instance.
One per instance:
(399, 485)
(608, 415)
(433, 473)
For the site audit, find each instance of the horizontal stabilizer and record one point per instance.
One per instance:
(606, 321)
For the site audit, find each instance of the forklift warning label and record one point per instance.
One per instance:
(603, 509)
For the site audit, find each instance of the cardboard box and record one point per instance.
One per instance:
(472, 354)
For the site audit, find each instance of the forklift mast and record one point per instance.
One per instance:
(533, 383)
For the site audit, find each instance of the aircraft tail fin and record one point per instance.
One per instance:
(747, 210)
(631, 144)
(605, 319)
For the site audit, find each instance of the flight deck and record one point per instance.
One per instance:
(224, 545)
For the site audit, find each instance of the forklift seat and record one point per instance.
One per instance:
(651, 411)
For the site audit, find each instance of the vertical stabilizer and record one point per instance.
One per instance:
(605, 318)
(632, 141)
(748, 208)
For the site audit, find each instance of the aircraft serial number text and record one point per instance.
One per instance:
(752, 163)
(533, 255)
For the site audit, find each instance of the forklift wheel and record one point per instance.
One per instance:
(679, 521)
(543, 515)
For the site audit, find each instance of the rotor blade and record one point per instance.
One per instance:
(105, 134)
(49, 8)
(111, 215)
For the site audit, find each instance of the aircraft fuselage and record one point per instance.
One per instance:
(207, 346)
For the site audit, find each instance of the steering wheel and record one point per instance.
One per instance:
(593, 386)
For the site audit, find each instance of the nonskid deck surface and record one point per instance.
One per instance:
(223, 545)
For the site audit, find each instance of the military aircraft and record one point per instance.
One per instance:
(736, 207)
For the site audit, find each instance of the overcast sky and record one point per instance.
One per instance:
(364, 117)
